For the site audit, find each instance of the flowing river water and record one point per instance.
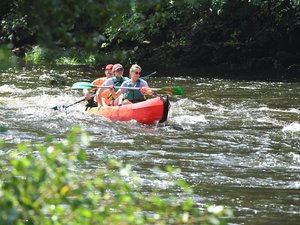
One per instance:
(236, 142)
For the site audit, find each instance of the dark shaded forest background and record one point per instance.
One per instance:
(229, 36)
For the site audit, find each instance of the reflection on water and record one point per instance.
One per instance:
(237, 143)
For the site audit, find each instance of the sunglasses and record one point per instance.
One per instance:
(137, 72)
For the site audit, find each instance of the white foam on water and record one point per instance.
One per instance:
(44, 77)
(249, 88)
(293, 110)
(295, 157)
(294, 185)
(265, 108)
(293, 127)
(189, 120)
(181, 78)
(10, 88)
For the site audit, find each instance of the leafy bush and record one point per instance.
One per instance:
(46, 184)
(7, 59)
(38, 55)
(73, 56)
(143, 24)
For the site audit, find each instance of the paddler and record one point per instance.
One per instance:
(114, 81)
(133, 96)
(88, 93)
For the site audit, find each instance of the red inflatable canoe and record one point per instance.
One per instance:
(146, 112)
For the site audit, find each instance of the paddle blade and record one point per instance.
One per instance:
(59, 107)
(82, 85)
(176, 90)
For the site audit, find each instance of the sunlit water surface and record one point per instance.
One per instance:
(236, 142)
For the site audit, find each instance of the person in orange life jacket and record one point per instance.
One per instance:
(115, 81)
(133, 96)
(92, 101)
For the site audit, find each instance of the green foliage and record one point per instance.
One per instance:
(15, 29)
(46, 184)
(162, 32)
(45, 55)
(73, 56)
(7, 60)
(38, 55)
(65, 22)
(143, 23)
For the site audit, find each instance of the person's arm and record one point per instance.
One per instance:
(115, 94)
(99, 99)
(145, 90)
(120, 92)
(88, 93)
(120, 100)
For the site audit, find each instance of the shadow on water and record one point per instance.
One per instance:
(211, 72)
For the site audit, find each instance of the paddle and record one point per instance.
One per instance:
(59, 107)
(81, 100)
(149, 75)
(175, 90)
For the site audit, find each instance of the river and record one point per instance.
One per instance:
(237, 143)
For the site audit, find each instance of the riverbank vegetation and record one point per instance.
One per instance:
(227, 35)
(47, 184)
